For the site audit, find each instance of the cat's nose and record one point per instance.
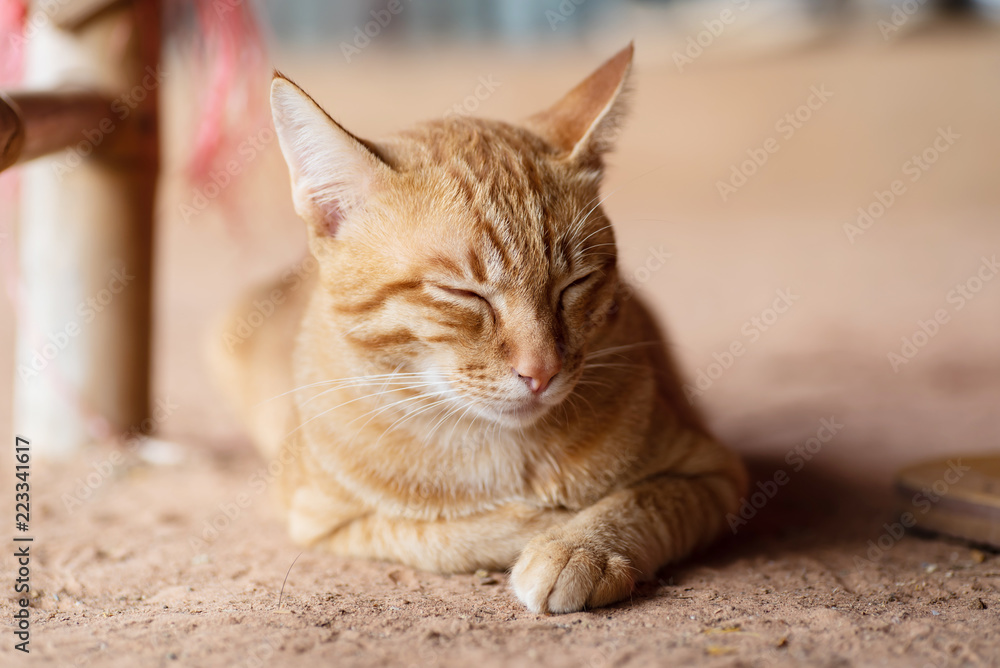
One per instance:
(537, 373)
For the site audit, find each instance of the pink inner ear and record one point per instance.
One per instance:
(345, 190)
(332, 217)
(321, 210)
(327, 207)
(331, 169)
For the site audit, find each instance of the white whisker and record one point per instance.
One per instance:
(359, 379)
(410, 416)
(617, 349)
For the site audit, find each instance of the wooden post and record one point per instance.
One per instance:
(86, 228)
(11, 133)
(35, 124)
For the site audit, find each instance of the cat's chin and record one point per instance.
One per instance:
(519, 415)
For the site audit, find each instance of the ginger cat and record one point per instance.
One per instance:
(476, 387)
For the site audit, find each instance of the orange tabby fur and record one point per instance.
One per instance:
(476, 386)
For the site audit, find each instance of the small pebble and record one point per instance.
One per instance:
(485, 578)
(978, 556)
(977, 604)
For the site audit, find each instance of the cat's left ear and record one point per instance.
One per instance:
(332, 170)
(584, 124)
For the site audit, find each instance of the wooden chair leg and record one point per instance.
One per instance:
(85, 236)
(957, 496)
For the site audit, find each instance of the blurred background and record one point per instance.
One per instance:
(807, 193)
(822, 176)
(765, 141)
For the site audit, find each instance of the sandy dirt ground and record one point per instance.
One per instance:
(173, 555)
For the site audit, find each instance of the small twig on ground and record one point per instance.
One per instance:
(282, 592)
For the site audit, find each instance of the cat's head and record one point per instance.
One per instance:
(474, 253)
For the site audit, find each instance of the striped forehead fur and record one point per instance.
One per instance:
(527, 197)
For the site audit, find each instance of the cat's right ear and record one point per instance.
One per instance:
(332, 171)
(584, 123)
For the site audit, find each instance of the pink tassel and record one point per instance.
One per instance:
(12, 17)
(233, 108)
(13, 14)
(231, 48)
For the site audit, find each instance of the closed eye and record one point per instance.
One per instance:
(580, 288)
(459, 292)
(466, 295)
(583, 280)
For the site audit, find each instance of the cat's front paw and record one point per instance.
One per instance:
(560, 573)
